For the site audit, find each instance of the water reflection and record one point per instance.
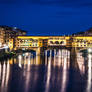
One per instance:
(49, 73)
(4, 76)
(89, 80)
(64, 75)
(80, 61)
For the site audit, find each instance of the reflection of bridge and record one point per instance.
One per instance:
(58, 69)
(40, 43)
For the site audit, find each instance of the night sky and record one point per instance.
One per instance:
(47, 17)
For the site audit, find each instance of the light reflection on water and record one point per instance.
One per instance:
(29, 73)
(89, 73)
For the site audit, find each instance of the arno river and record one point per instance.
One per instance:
(54, 72)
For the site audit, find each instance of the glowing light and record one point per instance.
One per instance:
(3, 77)
(7, 75)
(20, 58)
(27, 74)
(89, 50)
(48, 75)
(64, 76)
(89, 73)
(46, 57)
(26, 54)
(59, 62)
(80, 61)
(0, 44)
(23, 54)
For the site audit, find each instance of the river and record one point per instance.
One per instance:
(50, 73)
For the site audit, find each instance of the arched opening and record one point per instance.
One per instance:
(31, 40)
(51, 42)
(36, 41)
(62, 42)
(56, 42)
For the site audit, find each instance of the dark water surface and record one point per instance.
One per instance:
(28, 73)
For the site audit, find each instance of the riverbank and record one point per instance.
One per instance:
(5, 55)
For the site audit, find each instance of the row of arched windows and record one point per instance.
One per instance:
(56, 42)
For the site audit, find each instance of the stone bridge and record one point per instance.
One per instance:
(41, 43)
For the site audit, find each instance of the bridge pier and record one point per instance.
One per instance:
(39, 51)
(50, 52)
(46, 57)
(45, 52)
(73, 57)
(54, 51)
(38, 60)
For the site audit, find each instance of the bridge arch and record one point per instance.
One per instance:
(56, 42)
(62, 42)
(51, 42)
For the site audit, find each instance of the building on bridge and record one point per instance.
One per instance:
(81, 41)
(2, 35)
(29, 42)
(58, 40)
(26, 42)
(15, 39)
(8, 36)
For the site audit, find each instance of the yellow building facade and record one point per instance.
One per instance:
(2, 35)
(58, 40)
(28, 42)
(11, 44)
(82, 41)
